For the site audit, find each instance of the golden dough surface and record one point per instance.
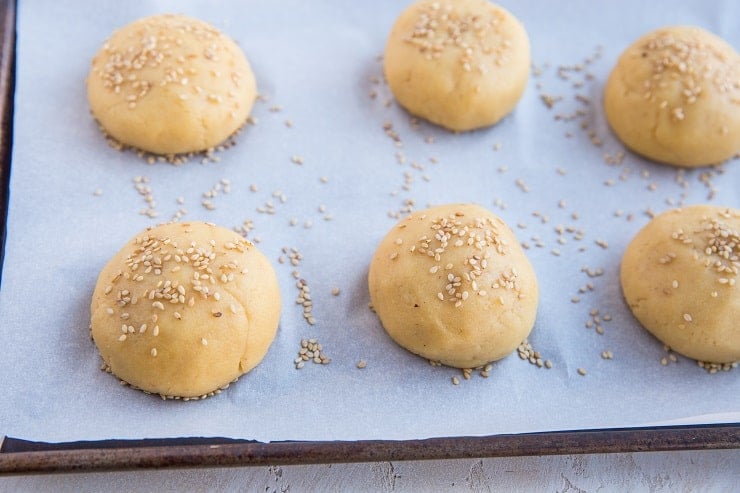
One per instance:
(462, 65)
(674, 97)
(678, 277)
(170, 84)
(452, 284)
(183, 309)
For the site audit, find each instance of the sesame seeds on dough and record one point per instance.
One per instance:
(679, 278)
(456, 267)
(445, 62)
(185, 289)
(189, 82)
(684, 82)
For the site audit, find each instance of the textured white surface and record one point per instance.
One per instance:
(710, 471)
(317, 61)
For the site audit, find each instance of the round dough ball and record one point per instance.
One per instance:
(452, 284)
(170, 84)
(674, 97)
(462, 65)
(199, 305)
(679, 279)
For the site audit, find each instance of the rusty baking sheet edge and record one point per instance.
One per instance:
(214, 452)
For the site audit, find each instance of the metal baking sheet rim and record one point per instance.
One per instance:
(18, 456)
(21, 457)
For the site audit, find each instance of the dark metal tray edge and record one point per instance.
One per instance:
(7, 86)
(19, 456)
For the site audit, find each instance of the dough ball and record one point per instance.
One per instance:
(674, 97)
(183, 309)
(170, 84)
(679, 279)
(452, 284)
(462, 65)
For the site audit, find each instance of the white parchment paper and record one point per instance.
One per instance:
(317, 63)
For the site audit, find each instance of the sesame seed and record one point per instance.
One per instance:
(311, 350)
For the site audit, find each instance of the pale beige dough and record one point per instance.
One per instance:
(453, 285)
(199, 304)
(674, 97)
(170, 84)
(679, 279)
(462, 65)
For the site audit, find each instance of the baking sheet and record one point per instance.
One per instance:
(317, 64)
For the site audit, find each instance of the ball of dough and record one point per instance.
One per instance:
(462, 65)
(170, 84)
(452, 284)
(183, 309)
(674, 97)
(679, 279)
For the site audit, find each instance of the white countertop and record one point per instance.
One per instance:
(712, 470)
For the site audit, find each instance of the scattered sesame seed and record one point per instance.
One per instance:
(527, 353)
(310, 350)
